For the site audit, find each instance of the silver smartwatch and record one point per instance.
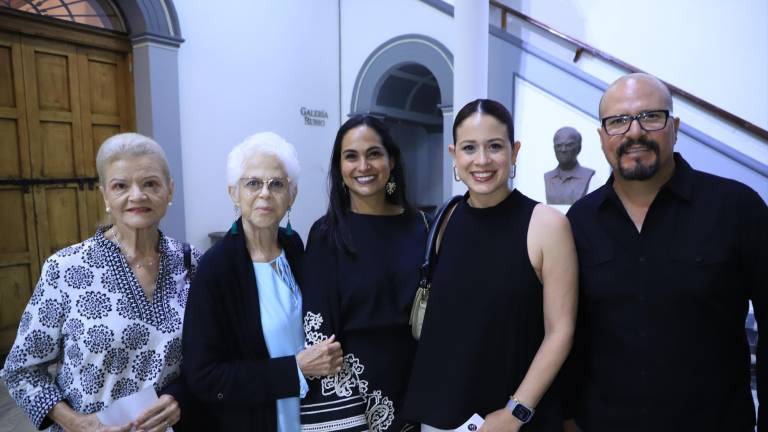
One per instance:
(520, 411)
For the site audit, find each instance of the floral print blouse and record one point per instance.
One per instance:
(89, 335)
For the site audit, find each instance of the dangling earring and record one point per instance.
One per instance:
(346, 190)
(456, 174)
(233, 228)
(391, 186)
(288, 228)
(513, 171)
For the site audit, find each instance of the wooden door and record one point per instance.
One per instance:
(106, 98)
(58, 102)
(19, 259)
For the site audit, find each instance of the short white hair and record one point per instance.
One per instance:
(263, 143)
(129, 144)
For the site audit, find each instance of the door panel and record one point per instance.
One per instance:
(7, 93)
(103, 84)
(13, 221)
(19, 258)
(53, 78)
(19, 265)
(53, 108)
(105, 100)
(57, 150)
(14, 139)
(10, 156)
(62, 217)
(15, 283)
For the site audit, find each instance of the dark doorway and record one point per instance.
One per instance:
(409, 98)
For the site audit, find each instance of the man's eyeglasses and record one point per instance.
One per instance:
(649, 120)
(275, 186)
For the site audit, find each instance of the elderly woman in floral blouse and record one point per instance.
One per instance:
(107, 313)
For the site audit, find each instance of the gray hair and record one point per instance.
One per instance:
(264, 143)
(129, 145)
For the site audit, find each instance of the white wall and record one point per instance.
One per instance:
(715, 50)
(246, 69)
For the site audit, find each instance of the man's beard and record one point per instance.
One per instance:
(638, 171)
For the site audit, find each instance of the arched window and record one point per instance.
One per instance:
(89, 12)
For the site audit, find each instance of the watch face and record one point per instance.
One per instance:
(522, 413)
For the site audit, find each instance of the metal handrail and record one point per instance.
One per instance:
(582, 47)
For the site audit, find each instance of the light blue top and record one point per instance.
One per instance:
(280, 306)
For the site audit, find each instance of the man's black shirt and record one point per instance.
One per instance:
(660, 341)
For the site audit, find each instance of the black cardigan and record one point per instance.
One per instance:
(226, 361)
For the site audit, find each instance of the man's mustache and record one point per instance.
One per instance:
(643, 141)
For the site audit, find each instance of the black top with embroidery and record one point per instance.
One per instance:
(660, 342)
(365, 300)
(484, 320)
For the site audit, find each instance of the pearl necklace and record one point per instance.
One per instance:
(138, 264)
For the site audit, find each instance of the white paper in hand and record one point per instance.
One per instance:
(472, 425)
(128, 409)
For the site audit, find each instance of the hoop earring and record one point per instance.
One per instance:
(391, 186)
(513, 171)
(456, 174)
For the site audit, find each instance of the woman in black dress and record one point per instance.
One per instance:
(360, 276)
(501, 311)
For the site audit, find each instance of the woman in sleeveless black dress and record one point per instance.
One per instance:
(501, 312)
(360, 277)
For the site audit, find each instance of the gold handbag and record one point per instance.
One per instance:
(419, 306)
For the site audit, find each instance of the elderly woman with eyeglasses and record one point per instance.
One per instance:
(243, 340)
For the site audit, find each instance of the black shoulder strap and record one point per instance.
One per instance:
(430, 250)
(188, 259)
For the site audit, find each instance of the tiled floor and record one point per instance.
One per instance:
(12, 419)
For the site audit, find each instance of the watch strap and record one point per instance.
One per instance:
(521, 412)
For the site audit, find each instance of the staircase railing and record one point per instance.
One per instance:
(581, 48)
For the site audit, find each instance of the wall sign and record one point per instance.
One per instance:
(313, 117)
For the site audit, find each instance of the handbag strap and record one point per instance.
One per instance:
(441, 219)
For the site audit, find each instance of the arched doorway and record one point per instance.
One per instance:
(67, 76)
(408, 81)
